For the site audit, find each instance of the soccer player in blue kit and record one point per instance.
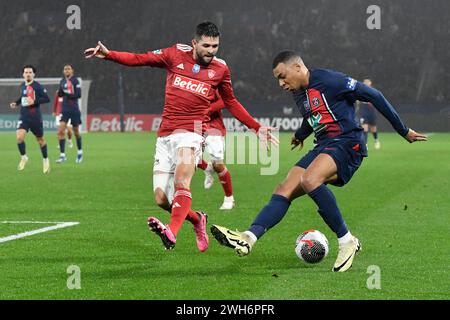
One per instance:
(368, 118)
(326, 100)
(32, 95)
(70, 91)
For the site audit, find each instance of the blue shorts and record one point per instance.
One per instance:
(347, 154)
(368, 116)
(34, 125)
(74, 116)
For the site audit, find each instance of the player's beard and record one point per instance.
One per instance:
(201, 59)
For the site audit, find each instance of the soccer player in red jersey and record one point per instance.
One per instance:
(215, 147)
(194, 75)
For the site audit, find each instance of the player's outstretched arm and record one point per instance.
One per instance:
(100, 51)
(368, 94)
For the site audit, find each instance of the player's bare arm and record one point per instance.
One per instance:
(100, 51)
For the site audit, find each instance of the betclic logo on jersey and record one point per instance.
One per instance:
(190, 85)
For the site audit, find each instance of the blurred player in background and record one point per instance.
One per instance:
(368, 118)
(56, 111)
(32, 95)
(215, 147)
(194, 75)
(70, 91)
(325, 99)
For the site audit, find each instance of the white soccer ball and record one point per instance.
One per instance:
(311, 246)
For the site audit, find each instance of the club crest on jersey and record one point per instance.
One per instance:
(315, 101)
(159, 51)
(211, 74)
(196, 68)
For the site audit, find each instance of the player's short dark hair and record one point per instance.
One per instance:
(68, 64)
(285, 56)
(207, 29)
(29, 66)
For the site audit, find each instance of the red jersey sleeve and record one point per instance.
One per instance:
(55, 103)
(233, 105)
(158, 58)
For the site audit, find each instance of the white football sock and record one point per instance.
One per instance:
(251, 237)
(346, 238)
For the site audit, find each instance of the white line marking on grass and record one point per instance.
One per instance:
(59, 225)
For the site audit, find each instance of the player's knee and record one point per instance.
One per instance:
(41, 141)
(310, 182)
(161, 199)
(218, 166)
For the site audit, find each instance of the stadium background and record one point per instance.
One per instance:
(407, 58)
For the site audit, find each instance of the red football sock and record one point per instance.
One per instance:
(192, 217)
(181, 205)
(202, 165)
(225, 180)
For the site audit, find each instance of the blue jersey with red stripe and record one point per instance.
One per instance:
(328, 105)
(70, 90)
(38, 94)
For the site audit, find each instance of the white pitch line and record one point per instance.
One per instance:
(30, 222)
(59, 225)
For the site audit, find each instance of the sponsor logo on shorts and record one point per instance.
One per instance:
(190, 85)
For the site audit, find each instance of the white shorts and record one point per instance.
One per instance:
(166, 155)
(58, 120)
(166, 159)
(215, 147)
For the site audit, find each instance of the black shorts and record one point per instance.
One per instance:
(34, 125)
(73, 115)
(347, 154)
(368, 116)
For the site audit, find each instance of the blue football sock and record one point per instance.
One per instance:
(270, 215)
(21, 148)
(62, 145)
(329, 210)
(44, 151)
(366, 136)
(79, 143)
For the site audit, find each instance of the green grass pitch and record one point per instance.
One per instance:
(398, 204)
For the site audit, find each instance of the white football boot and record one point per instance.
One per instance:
(22, 163)
(228, 203)
(239, 241)
(347, 252)
(46, 166)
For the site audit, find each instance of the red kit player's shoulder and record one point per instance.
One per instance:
(183, 47)
(219, 65)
